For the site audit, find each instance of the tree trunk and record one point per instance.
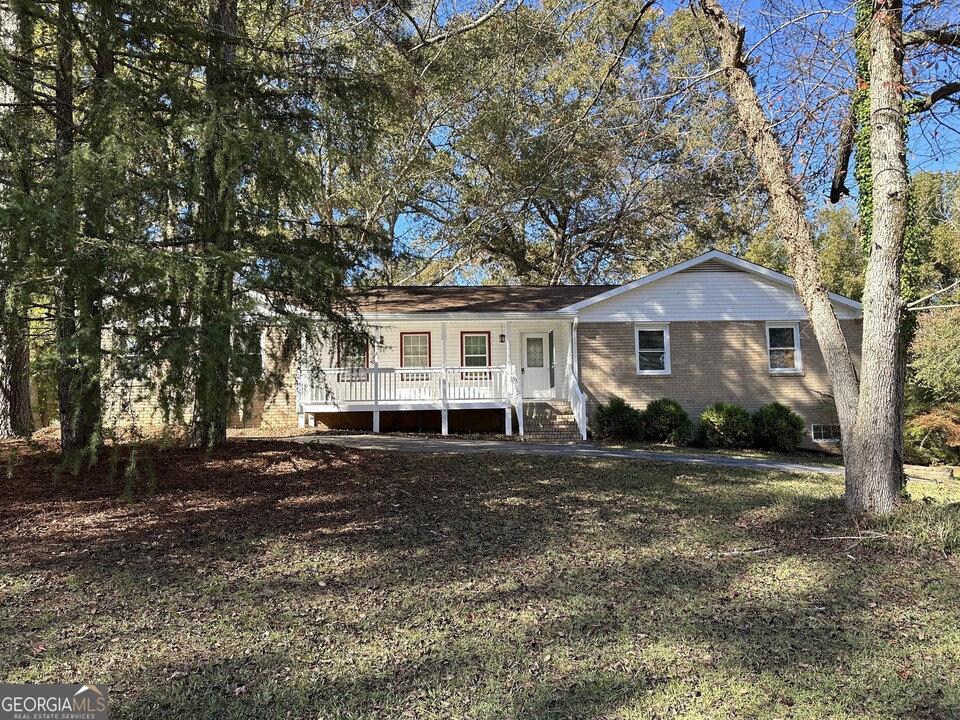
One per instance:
(867, 411)
(15, 420)
(213, 390)
(78, 317)
(7, 24)
(789, 210)
(875, 446)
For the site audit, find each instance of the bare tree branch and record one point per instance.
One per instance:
(948, 36)
(473, 24)
(943, 92)
(838, 187)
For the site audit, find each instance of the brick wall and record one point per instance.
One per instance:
(710, 362)
(135, 404)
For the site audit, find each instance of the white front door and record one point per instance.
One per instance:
(535, 365)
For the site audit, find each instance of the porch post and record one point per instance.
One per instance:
(508, 380)
(574, 350)
(444, 404)
(301, 385)
(376, 379)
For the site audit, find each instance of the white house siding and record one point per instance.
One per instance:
(705, 295)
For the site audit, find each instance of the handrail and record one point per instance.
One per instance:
(578, 405)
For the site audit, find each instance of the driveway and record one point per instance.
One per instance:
(454, 445)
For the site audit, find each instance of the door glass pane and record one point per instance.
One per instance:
(534, 352)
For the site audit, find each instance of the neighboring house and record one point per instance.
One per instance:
(538, 360)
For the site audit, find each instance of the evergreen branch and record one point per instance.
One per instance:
(615, 65)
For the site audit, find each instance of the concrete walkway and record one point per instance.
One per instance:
(454, 445)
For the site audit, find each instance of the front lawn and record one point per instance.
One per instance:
(275, 580)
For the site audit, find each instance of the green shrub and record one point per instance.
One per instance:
(664, 421)
(933, 437)
(725, 425)
(616, 418)
(777, 427)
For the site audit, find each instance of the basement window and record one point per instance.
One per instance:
(825, 433)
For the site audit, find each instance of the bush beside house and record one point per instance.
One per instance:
(722, 425)
(664, 421)
(617, 419)
(725, 425)
(777, 427)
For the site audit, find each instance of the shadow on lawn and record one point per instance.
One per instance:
(502, 586)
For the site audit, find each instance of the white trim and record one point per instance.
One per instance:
(798, 357)
(665, 327)
(717, 255)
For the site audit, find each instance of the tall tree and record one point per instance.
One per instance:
(77, 294)
(541, 158)
(217, 215)
(869, 409)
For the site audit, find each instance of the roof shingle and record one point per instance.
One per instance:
(475, 298)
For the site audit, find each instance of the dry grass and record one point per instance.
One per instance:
(273, 580)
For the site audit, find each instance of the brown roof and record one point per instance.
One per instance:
(475, 298)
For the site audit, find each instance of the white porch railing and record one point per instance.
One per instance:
(578, 404)
(383, 386)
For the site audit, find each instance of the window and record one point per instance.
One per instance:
(128, 356)
(354, 359)
(414, 352)
(653, 349)
(247, 353)
(783, 348)
(826, 433)
(475, 349)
